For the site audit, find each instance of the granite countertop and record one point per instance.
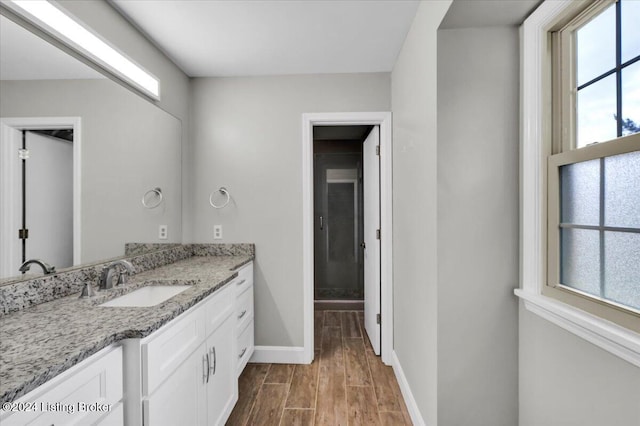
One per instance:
(38, 343)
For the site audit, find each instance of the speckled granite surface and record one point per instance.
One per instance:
(44, 288)
(40, 342)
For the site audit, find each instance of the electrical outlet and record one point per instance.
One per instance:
(162, 232)
(217, 232)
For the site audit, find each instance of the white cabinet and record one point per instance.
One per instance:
(244, 316)
(89, 393)
(184, 373)
(188, 366)
(222, 389)
(182, 397)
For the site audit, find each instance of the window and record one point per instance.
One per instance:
(593, 181)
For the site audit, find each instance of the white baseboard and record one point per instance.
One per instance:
(412, 407)
(278, 355)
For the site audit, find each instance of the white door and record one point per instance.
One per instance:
(371, 175)
(49, 203)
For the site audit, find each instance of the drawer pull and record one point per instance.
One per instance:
(212, 369)
(205, 370)
(242, 353)
(242, 314)
(242, 282)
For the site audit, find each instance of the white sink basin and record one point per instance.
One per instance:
(150, 295)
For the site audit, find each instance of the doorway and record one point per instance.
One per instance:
(344, 181)
(40, 191)
(338, 217)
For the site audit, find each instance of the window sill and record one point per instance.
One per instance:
(611, 337)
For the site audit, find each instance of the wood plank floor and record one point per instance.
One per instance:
(347, 384)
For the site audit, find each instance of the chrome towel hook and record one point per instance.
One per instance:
(158, 195)
(222, 190)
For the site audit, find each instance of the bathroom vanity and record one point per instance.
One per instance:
(71, 360)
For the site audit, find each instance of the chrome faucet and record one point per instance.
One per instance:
(46, 268)
(106, 278)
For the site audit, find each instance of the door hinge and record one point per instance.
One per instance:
(377, 149)
(377, 234)
(23, 154)
(23, 234)
(378, 319)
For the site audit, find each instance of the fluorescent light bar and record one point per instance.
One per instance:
(78, 36)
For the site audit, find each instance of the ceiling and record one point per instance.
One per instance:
(487, 13)
(25, 56)
(250, 37)
(243, 38)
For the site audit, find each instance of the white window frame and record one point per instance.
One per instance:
(536, 130)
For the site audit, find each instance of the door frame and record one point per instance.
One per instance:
(7, 198)
(382, 119)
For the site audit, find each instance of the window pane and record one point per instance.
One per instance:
(631, 98)
(622, 190)
(596, 46)
(596, 112)
(580, 193)
(622, 268)
(630, 29)
(580, 264)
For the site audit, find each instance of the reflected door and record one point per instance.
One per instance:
(40, 200)
(338, 227)
(49, 199)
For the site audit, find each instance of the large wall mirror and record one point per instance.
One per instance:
(78, 154)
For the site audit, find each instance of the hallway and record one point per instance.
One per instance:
(345, 385)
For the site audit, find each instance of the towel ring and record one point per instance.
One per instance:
(158, 194)
(224, 191)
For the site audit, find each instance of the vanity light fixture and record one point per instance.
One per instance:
(53, 20)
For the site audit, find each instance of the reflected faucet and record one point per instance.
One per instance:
(46, 268)
(106, 278)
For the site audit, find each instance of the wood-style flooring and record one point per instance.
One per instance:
(347, 384)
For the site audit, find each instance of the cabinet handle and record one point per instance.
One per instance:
(242, 353)
(242, 282)
(321, 223)
(205, 372)
(215, 360)
(242, 314)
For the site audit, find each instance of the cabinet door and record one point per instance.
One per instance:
(181, 399)
(78, 396)
(222, 390)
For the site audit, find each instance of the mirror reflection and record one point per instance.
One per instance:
(78, 154)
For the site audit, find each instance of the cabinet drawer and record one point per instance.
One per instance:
(245, 278)
(244, 347)
(167, 348)
(81, 395)
(244, 309)
(219, 308)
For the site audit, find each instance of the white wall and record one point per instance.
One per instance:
(414, 107)
(567, 381)
(247, 137)
(478, 226)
